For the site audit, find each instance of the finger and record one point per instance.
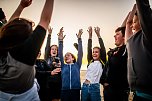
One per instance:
(76, 34)
(61, 29)
(64, 36)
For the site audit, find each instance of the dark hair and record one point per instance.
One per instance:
(2, 15)
(122, 29)
(15, 32)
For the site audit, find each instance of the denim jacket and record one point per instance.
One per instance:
(70, 73)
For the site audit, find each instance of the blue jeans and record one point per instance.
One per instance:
(30, 95)
(90, 92)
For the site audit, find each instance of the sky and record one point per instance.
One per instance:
(77, 14)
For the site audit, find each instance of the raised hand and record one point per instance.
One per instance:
(18, 11)
(131, 15)
(90, 32)
(128, 31)
(79, 33)
(50, 30)
(60, 34)
(25, 3)
(97, 31)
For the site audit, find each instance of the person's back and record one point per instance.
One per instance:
(23, 44)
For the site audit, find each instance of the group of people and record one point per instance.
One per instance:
(125, 68)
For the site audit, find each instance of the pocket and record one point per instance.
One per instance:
(131, 73)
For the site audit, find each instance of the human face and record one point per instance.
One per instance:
(68, 58)
(136, 24)
(54, 51)
(96, 54)
(119, 39)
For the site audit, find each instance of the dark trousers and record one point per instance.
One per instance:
(113, 94)
(54, 90)
(70, 95)
(44, 94)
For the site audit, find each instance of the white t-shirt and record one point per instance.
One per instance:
(94, 72)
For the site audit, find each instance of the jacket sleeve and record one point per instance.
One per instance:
(47, 48)
(103, 78)
(102, 50)
(80, 52)
(89, 54)
(30, 48)
(43, 72)
(145, 17)
(42, 68)
(60, 52)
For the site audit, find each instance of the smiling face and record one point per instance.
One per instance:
(54, 50)
(96, 53)
(136, 24)
(69, 58)
(119, 39)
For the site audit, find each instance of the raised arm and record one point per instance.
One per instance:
(89, 54)
(46, 14)
(18, 11)
(145, 16)
(128, 31)
(60, 51)
(80, 50)
(47, 48)
(33, 44)
(102, 47)
(125, 21)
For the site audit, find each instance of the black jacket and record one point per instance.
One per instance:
(43, 71)
(115, 72)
